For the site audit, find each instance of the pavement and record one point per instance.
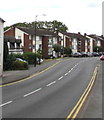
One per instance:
(93, 105)
(12, 76)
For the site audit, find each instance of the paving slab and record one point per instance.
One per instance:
(12, 76)
(92, 109)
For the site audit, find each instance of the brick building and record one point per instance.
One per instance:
(45, 39)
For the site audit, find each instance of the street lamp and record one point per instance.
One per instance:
(35, 34)
(36, 28)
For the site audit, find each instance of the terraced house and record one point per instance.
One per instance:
(14, 45)
(77, 42)
(44, 40)
(96, 40)
(25, 39)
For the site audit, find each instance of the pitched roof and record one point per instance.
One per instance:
(75, 35)
(11, 39)
(40, 32)
(2, 20)
(96, 37)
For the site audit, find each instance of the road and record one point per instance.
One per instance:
(49, 94)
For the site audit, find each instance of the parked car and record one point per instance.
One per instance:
(84, 54)
(95, 54)
(102, 57)
(77, 54)
(90, 54)
(19, 59)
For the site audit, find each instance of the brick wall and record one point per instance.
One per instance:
(45, 46)
(83, 45)
(68, 42)
(27, 42)
(10, 32)
(102, 45)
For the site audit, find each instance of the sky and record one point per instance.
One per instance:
(84, 16)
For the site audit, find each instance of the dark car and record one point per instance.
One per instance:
(95, 54)
(84, 54)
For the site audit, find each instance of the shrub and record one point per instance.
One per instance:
(67, 51)
(57, 48)
(30, 57)
(20, 65)
(9, 63)
(19, 56)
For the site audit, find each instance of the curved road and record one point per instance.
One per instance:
(51, 94)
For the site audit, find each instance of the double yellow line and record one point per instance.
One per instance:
(81, 101)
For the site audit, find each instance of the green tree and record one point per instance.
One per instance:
(55, 26)
(67, 51)
(30, 57)
(57, 48)
(97, 49)
(59, 26)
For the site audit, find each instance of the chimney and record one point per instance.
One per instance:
(85, 34)
(102, 36)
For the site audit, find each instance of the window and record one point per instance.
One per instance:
(12, 45)
(19, 37)
(29, 37)
(37, 38)
(54, 40)
(18, 45)
(75, 47)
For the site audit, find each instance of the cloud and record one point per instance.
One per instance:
(78, 15)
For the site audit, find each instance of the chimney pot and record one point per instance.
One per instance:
(85, 34)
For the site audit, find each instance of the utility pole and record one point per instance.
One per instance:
(35, 37)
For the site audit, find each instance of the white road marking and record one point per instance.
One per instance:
(51, 83)
(73, 67)
(60, 77)
(32, 92)
(6, 103)
(66, 74)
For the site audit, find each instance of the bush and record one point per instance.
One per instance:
(9, 63)
(30, 57)
(67, 51)
(19, 56)
(20, 65)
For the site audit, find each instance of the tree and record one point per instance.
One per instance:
(59, 26)
(97, 49)
(55, 26)
(67, 51)
(57, 48)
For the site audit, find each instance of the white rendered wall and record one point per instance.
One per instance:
(18, 33)
(74, 44)
(86, 46)
(1, 46)
(38, 42)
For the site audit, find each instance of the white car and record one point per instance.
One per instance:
(19, 59)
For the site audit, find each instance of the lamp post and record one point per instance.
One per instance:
(35, 36)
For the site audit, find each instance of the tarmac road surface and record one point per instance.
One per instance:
(52, 93)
